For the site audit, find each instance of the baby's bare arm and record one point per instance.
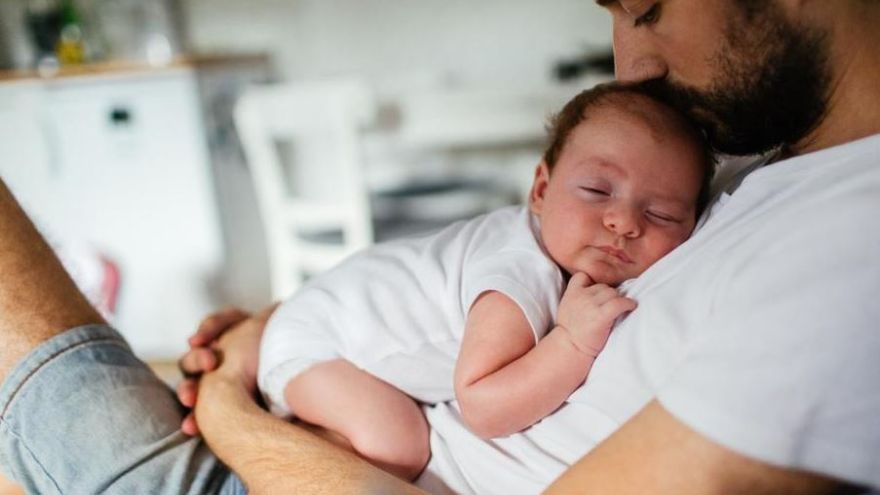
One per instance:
(503, 381)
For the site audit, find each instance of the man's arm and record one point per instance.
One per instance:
(655, 453)
(273, 456)
(269, 454)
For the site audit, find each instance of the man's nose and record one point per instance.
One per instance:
(635, 57)
(623, 221)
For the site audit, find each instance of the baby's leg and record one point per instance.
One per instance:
(383, 425)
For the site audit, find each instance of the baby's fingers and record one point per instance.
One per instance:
(614, 308)
(580, 279)
(600, 294)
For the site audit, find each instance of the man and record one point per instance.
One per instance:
(757, 338)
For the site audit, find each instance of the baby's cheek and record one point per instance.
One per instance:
(658, 250)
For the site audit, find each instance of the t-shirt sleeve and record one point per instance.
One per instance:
(293, 340)
(786, 368)
(529, 278)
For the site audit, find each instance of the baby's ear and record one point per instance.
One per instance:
(539, 187)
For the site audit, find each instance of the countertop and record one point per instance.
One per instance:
(202, 61)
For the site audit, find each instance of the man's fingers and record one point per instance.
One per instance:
(197, 361)
(214, 325)
(189, 426)
(187, 392)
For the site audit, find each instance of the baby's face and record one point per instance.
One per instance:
(621, 196)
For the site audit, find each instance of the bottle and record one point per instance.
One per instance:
(43, 19)
(71, 47)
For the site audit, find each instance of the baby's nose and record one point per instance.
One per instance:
(623, 222)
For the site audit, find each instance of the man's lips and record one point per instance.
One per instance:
(616, 253)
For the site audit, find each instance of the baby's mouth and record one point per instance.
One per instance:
(616, 253)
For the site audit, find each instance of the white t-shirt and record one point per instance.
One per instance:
(761, 332)
(398, 309)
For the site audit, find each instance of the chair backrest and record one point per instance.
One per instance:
(325, 189)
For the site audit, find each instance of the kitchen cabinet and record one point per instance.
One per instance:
(120, 162)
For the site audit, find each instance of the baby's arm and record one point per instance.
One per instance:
(504, 382)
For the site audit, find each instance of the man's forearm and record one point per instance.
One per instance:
(654, 452)
(271, 455)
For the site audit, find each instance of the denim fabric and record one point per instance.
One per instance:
(80, 414)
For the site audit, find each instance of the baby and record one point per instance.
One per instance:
(504, 313)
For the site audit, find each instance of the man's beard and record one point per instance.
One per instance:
(771, 89)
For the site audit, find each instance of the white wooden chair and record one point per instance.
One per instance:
(323, 189)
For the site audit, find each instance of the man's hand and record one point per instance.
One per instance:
(587, 312)
(231, 337)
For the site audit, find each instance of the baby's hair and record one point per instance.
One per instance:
(625, 97)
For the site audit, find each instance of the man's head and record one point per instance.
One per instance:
(621, 183)
(749, 73)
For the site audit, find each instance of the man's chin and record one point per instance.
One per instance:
(726, 140)
(728, 143)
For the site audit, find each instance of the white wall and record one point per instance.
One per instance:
(15, 49)
(494, 42)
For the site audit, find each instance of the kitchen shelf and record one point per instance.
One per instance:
(123, 67)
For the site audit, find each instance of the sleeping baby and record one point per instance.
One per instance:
(504, 313)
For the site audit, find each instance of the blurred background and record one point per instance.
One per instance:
(182, 155)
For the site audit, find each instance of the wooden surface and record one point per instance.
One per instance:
(7, 488)
(129, 67)
(167, 371)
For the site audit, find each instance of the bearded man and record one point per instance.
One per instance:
(747, 369)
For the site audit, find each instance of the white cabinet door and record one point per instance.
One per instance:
(131, 178)
(25, 159)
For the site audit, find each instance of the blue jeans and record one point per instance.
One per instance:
(80, 414)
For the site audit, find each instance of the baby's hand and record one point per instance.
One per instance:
(588, 310)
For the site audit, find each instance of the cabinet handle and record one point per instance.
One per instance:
(120, 116)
